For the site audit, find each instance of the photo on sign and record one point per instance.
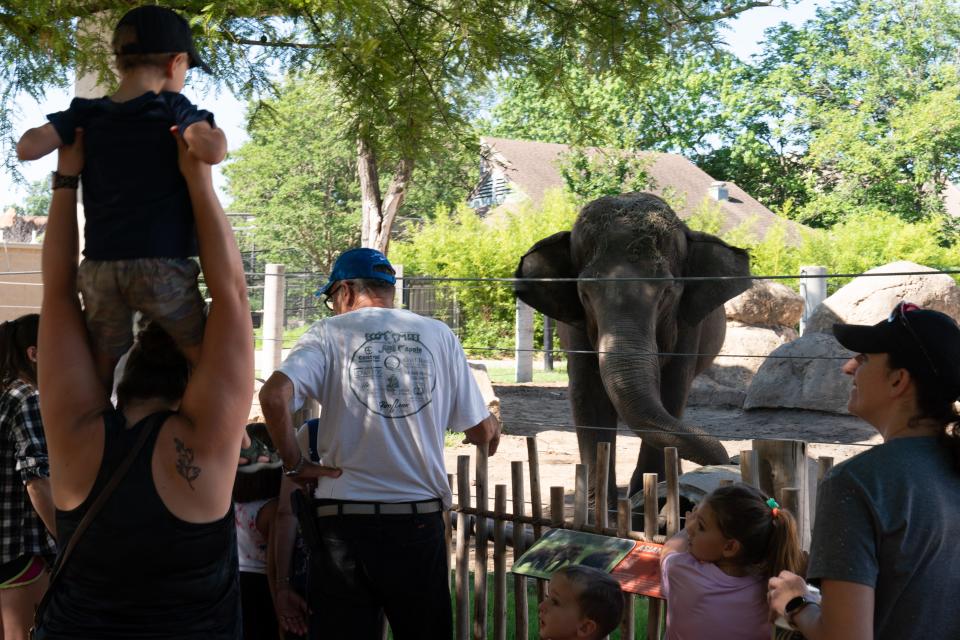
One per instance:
(561, 547)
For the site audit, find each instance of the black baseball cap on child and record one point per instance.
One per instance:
(159, 30)
(927, 342)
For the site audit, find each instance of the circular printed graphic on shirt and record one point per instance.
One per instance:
(393, 374)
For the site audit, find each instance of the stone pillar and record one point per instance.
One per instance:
(523, 341)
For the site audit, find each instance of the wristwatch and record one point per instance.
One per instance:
(297, 468)
(60, 181)
(795, 606)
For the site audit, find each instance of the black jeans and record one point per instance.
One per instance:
(365, 566)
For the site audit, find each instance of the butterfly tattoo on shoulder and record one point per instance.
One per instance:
(185, 466)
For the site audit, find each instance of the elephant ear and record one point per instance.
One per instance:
(707, 256)
(550, 258)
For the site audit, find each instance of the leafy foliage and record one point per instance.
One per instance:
(462, 245)
(298, 175)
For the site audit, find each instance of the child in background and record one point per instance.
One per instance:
(139, 233)
(255, 493)
(715, 572)
(582, 603)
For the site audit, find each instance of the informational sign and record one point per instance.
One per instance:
(635, 565)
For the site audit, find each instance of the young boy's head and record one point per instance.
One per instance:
(581, 602)
(154, 38)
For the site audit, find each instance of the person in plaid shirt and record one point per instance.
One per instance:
(26, 503)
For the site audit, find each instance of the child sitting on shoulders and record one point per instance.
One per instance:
(582, 603)
(139, 231)
(714, 573)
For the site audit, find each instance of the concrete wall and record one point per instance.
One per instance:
(19, 294)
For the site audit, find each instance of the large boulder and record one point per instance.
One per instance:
(766, 304)
(482, 378)
(868, 299)
(744, 351)
(803, 374)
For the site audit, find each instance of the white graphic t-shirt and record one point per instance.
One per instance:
(390, 383)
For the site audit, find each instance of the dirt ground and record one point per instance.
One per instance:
(543, 410)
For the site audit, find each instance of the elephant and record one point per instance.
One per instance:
(635, 345)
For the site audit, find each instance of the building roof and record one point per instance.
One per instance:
(532, 167)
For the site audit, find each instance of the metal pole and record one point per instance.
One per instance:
(523, 338)
(547, 343)
(814, 291)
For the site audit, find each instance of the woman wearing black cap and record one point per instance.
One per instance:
(884, 546)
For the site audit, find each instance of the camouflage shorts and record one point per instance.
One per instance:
(164, 290)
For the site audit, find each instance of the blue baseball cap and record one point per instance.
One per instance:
(363, 263)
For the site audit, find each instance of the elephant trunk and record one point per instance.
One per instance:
(630, 370)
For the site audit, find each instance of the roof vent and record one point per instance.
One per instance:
(718, 191)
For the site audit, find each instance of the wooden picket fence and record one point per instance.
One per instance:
(777, 467)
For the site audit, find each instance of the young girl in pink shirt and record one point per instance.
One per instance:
(715, 572)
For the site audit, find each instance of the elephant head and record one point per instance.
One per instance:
(644, 330)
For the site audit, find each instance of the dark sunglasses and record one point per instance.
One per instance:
(328, 299)
(900, 313)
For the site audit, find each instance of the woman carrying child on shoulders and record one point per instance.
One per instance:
(715, 571)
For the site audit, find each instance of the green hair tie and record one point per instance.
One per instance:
(772, 504)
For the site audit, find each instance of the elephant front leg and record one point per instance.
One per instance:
(593, 413)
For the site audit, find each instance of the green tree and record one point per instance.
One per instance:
(873, 90)
(37, 200)
(298, 175)
(705, 104)
(408, 72)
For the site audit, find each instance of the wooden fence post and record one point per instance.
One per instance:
(624, 529)
(783, 463)
(600, 507)
(520, 614)
(650, 530)
(533, 461)
(463, 550)
(672, 464)
(480, 560)
(580, 496)
(749, 467)
(500, 563)
(557, 519)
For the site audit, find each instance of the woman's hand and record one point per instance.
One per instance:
(292, 610)
(784, 588)
(70, 156)
(194, 170)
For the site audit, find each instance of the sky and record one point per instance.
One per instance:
(744, 36)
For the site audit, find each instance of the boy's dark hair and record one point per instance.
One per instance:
(769, 541)
(156, 368)
(16, 336)
(600, 598)
(126, 34)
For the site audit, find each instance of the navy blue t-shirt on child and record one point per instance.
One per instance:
(135, 199)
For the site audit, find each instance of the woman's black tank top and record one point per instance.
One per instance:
(139, 571)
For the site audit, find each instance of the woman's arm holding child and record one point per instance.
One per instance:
(38, 142)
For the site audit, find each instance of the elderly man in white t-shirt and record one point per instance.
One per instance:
(390, 383)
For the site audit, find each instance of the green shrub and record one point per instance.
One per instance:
(459, 244)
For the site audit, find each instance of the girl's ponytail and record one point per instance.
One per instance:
(783, 551)
(769, 542)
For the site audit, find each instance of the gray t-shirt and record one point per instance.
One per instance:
(889, 518)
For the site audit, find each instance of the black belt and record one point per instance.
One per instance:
(377, 508)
